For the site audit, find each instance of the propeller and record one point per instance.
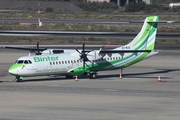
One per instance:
(37, 51)
(83, 55)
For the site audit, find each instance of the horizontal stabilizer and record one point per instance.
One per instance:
(135, 21)
(162, 22)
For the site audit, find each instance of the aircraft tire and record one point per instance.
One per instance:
(92, 75)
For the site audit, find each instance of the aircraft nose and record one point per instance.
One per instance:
(13, 70)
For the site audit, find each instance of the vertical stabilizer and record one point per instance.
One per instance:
(145, 40)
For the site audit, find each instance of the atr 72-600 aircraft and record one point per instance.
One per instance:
(83, 62)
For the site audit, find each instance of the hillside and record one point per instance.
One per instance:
(8, 4)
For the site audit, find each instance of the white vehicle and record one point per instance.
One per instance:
(83, 62)
(173, 5)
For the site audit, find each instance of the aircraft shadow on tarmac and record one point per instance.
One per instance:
(101, 77)
(143, 74)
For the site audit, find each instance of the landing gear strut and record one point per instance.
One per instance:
(17, 79)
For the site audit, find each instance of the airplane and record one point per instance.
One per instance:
(89, 62)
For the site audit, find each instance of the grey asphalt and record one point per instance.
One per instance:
(138, 95)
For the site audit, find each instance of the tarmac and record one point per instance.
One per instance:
(137, 96)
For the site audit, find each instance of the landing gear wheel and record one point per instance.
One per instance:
(92, 75)
(17, 79)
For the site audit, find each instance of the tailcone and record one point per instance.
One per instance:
(152, 53)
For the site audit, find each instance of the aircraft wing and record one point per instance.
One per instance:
(123, 51)
(26, 48)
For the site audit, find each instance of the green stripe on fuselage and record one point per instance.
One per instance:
(14, 66)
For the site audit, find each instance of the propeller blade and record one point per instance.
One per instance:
(38, 53)
(30, 48)
(83, 47)
(78, 51)
(38, 50)
(83, 56)
(84, 65)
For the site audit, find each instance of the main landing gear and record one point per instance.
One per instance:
(92, 75)
(18, 79)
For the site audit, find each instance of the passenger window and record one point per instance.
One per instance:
(56, 62)
(65, 62)
(62, 62)
(50, 63)
(53, 63)
(59, 62)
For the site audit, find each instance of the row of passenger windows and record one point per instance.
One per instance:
(67, 62)
(23, 62)
(80, 61)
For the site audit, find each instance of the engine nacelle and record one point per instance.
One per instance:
(94, 55)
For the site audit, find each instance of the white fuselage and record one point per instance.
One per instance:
(61, 64)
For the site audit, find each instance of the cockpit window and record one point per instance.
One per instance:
(29, 61)
(23, 61)
(16, 61)
(20, 61)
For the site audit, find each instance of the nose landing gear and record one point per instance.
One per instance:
(18, 79)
